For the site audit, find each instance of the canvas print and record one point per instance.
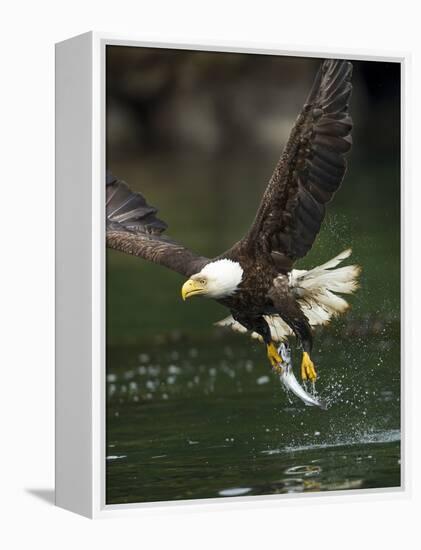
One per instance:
(253, 275)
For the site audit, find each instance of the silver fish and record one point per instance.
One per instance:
(291, 383)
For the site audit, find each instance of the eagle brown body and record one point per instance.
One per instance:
(310, 170)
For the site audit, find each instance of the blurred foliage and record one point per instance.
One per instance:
(162, 100)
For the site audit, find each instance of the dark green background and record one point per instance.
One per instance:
(194, 411)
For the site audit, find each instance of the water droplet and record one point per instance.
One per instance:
(234, 492)
(173, 369)
(305, 470)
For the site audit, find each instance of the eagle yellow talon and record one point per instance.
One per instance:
(274, 358)
(308, 370)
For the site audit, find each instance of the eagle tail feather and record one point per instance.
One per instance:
(278, 328)
(316, 291)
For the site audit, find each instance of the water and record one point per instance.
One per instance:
(194, 411)
(185, 422)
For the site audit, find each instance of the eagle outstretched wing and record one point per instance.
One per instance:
(133, 228)
(310, 170)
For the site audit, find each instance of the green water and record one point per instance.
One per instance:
(194, 411)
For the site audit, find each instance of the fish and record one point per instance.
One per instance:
(288, 379)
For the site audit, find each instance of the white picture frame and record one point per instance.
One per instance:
(80, 278)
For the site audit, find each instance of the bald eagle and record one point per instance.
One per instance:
(255, 278)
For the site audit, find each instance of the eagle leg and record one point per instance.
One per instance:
(274, 357)
(259, 325)
(290, 311)
(308, 370)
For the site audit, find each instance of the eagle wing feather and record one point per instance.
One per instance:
(133, 228)
(310, 170)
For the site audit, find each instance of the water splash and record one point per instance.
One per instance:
(387, 436)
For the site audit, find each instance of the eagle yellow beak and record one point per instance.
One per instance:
(192, 288)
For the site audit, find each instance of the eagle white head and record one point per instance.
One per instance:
(218, 279)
